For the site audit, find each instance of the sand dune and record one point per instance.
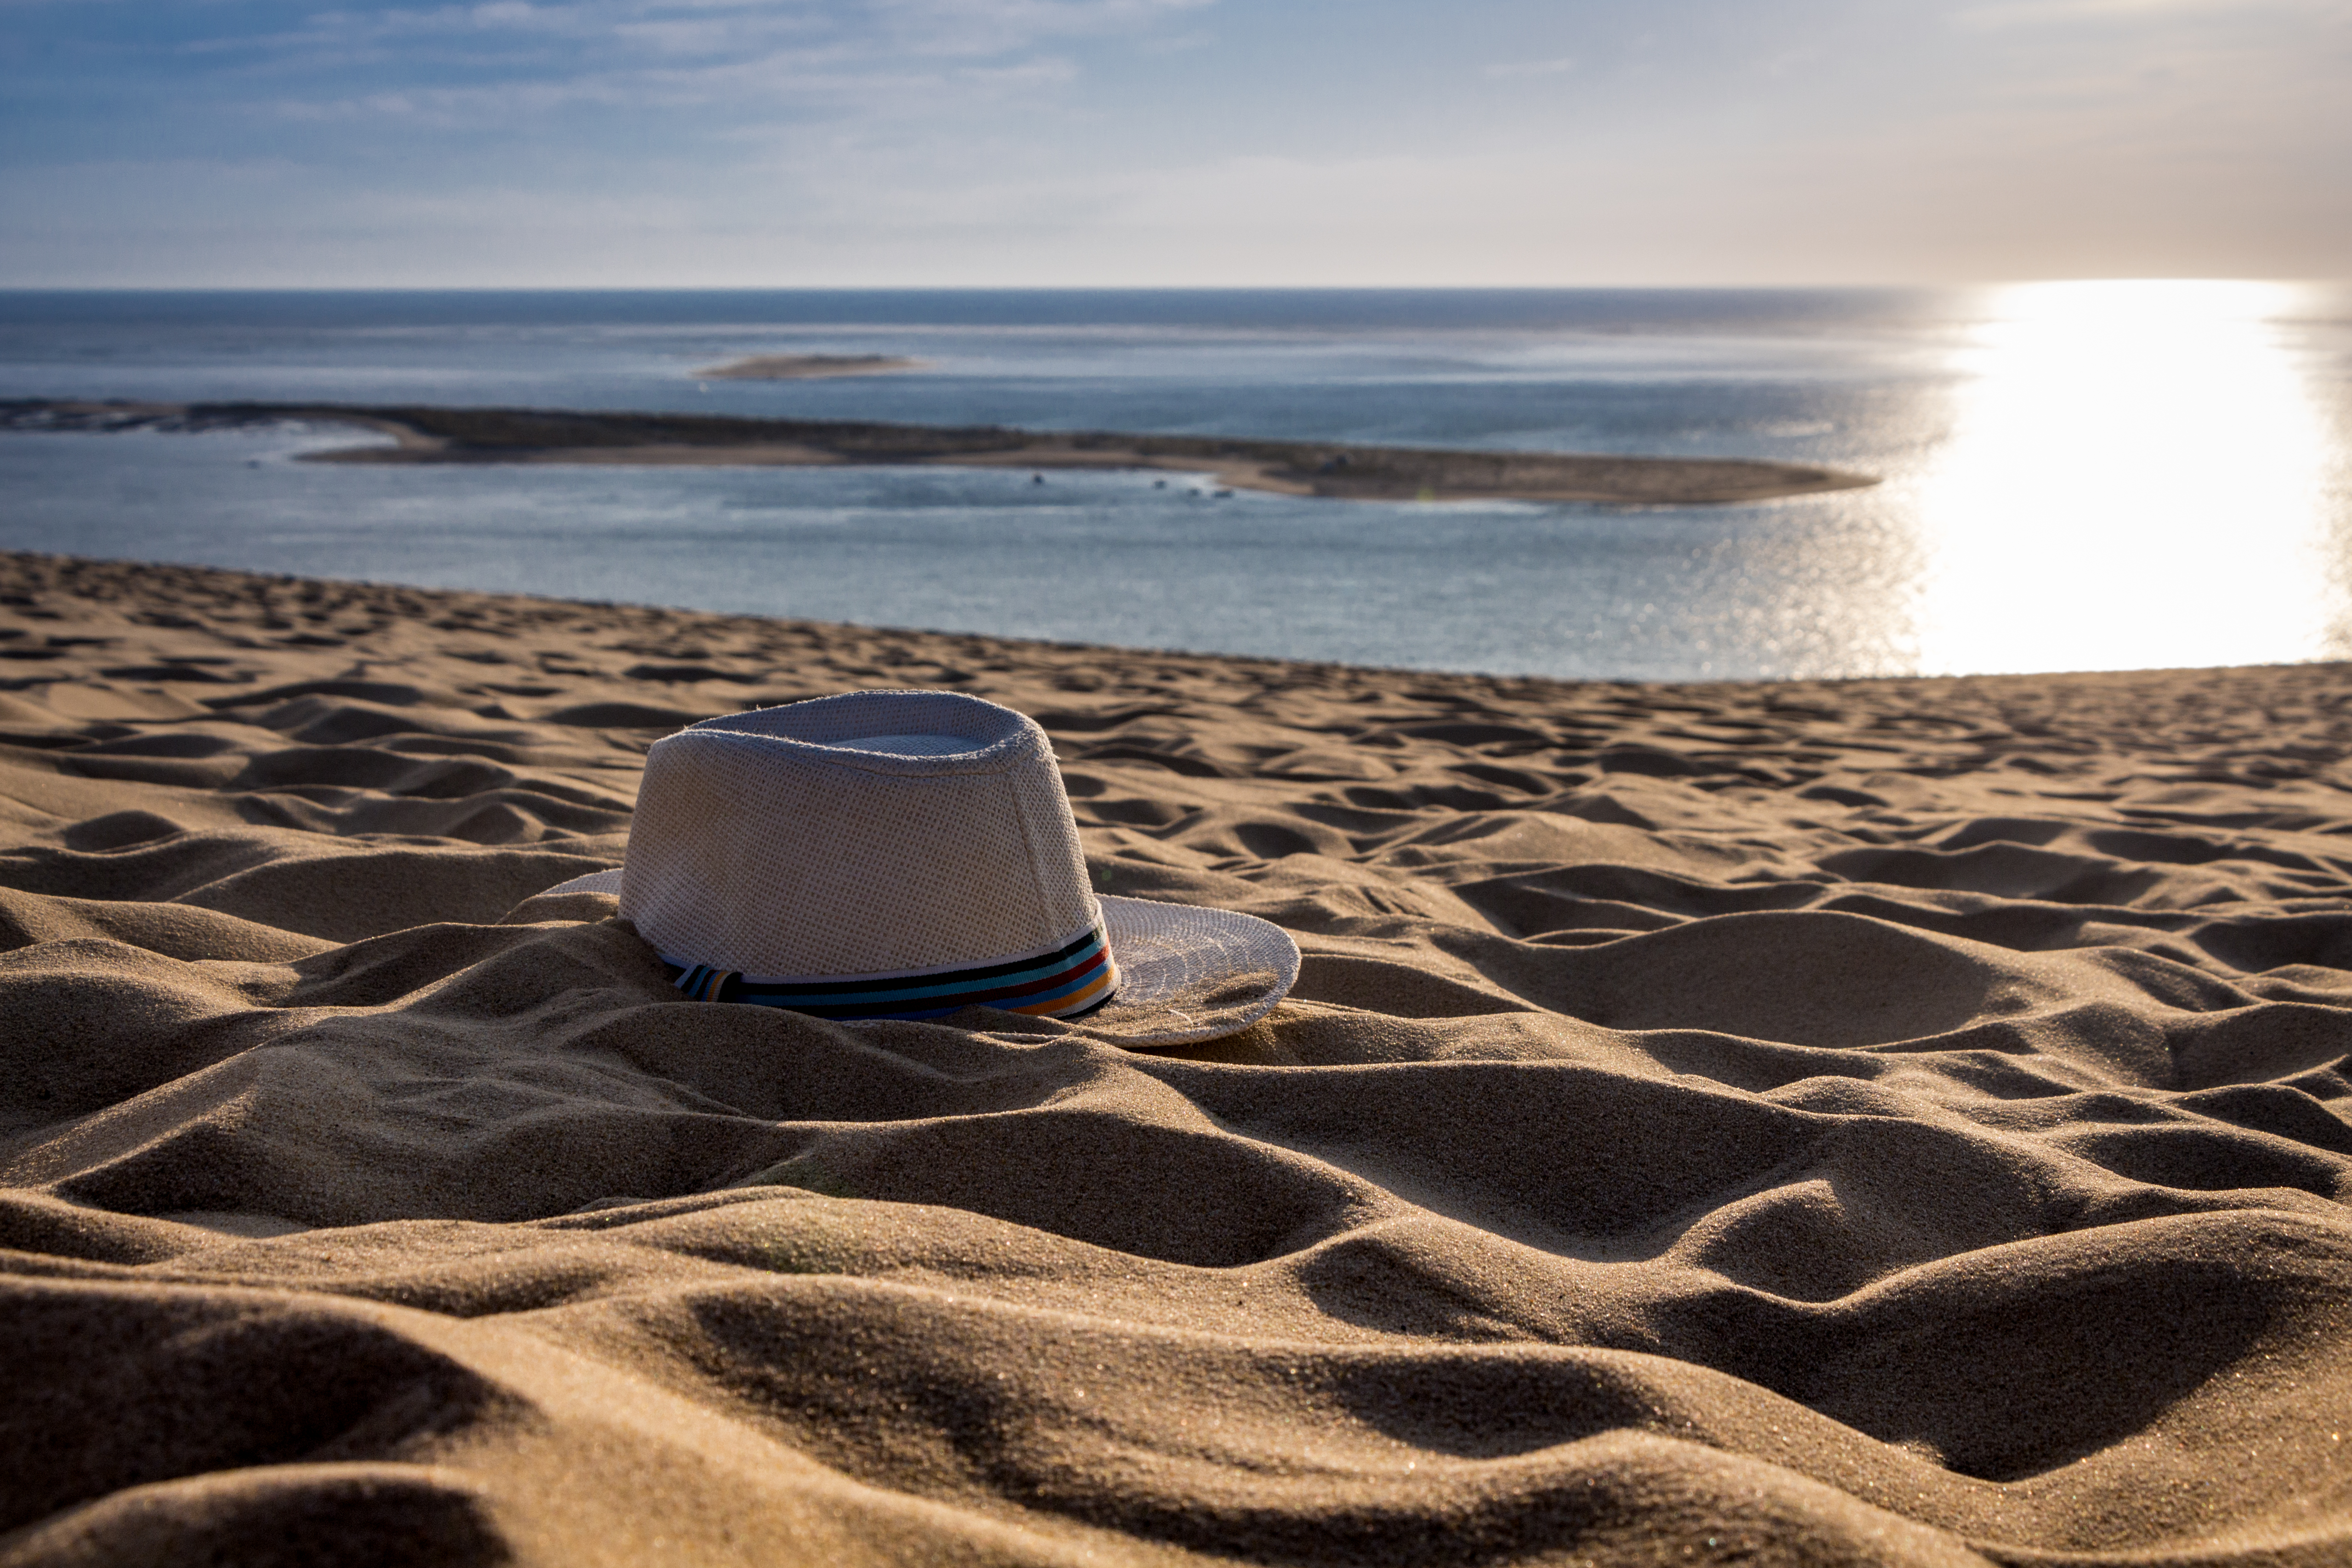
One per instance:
(1892, 1122)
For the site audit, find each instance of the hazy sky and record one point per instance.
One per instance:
(1171, 141)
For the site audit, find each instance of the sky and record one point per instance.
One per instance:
(276, 143)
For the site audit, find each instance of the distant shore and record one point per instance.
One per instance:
(1336, 470)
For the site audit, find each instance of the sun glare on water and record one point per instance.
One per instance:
(2136, 476)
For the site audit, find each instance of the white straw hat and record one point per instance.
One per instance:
(904, 854)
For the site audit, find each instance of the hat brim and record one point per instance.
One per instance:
(1186, 973)
(594, 881)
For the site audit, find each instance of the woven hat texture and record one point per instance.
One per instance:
(839, 837)
(897, 832)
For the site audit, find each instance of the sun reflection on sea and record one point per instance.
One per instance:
(2136, 476)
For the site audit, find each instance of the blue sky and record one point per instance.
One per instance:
(1050, 142)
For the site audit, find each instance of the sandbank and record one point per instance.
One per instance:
(806, 367)
(1337, 470)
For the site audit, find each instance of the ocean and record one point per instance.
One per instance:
(2074, 476)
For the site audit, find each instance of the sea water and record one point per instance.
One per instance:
(2071, 475)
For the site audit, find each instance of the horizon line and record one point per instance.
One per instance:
(1148, 287)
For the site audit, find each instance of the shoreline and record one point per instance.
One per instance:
(1331, 470)
(1273, 667)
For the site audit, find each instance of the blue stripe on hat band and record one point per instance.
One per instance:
(1075, 977)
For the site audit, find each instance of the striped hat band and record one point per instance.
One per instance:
(1073, 978)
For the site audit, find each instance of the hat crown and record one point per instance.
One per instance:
(871, 833)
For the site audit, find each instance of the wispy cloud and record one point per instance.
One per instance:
(506, 61)
(2006, 15)
(716, 27)
(1553, 67)
(998, 26)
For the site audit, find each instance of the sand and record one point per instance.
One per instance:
(436, 435)
(806, 367)
(1892, 1121)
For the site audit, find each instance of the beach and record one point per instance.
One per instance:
(1871, 1121)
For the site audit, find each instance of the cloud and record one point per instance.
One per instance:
(713, 28)
(996, 27)
(2017, 13)
(1553, 67)
(504, 63)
